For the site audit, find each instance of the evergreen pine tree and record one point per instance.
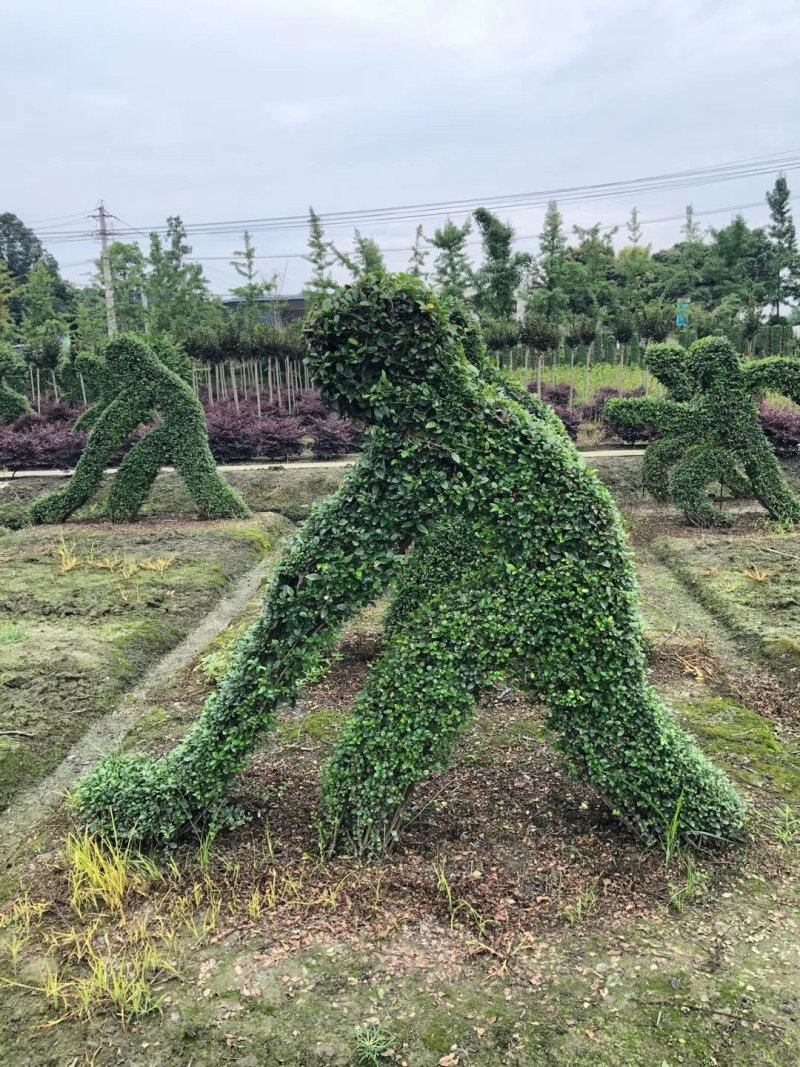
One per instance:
(321, 259)
(451, 270)
(254, 288)
(634, 228)
(692, 233)
(416, 266)
(784, 266)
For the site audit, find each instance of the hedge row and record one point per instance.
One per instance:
(48, 440)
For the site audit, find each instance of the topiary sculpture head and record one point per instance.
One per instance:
(714, 363)
(519, 569)
(385, 360)
(710, 429)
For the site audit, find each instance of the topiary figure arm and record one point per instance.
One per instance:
(670, 365)
(112, 430)
(777, 374)
(344, 557)
(657, 413)
(87, 419)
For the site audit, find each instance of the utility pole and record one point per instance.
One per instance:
(108, 284)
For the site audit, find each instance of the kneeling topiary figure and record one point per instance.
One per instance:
(519, 569)
(142, 385)
(710, 429)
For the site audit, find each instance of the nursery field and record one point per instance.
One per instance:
(516, 922)
(84, 612)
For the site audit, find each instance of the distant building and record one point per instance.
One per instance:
(276, 310)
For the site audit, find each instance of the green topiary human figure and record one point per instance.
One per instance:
(12, 404)
(519, 569)
(711, 429)
(142, 385)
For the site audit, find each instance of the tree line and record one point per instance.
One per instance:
(736, 279)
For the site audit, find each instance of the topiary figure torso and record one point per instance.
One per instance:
(13, 405)
(711, 430)
(519, 569)
(139, 385)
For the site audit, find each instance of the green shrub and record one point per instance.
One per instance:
(12, 404)
(519, 569)
(712, 433)
(143, 385)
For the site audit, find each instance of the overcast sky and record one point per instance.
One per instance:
(228, 109)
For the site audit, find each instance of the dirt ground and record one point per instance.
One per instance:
(85, 610)
(517, 921)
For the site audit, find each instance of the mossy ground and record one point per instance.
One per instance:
(516, 923)
(751, 583)
(85, 610)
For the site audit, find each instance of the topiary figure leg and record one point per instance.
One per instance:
(587, 665)
(193, 460)
(436, 562)
(136, 474)
(111, 431)
(419, 698)
(660, 457)
(688, 485)
(769, 484)
(582, 655)
(734, 481)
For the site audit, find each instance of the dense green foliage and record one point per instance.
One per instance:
(499, 279)
(12, 403)
(143, 385)
(711, 430)
(519, 569)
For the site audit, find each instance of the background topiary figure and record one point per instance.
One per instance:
(519, 569)
(141, 386)
(711, 429)
(12, 404)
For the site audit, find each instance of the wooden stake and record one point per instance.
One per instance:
(622, 368)
(586, 386)
(233, 383)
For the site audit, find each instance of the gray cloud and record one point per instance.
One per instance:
(240, 108)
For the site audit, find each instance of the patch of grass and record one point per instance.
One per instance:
(786, 825)
(11, 634)
(373, 1043)
(581, 908)
(683, 892)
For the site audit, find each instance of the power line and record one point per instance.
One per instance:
(58, 218)
(510, 202)
(520, 237)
